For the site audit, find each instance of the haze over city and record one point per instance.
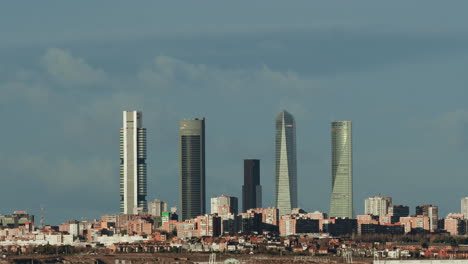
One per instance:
(396, 71)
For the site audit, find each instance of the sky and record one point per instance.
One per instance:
(397, 69)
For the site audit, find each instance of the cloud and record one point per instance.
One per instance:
(171, 73)
(62, 66)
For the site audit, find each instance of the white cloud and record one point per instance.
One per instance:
(61, 65)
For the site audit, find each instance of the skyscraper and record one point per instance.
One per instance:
(251, 190)
(192, 168)
(341, 204)
(132, 164)
(464, 207)
(286, 169)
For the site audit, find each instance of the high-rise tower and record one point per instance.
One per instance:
(192, 168)
(132, 164)
(341, 204)
(464, 207)
(251, 190)
(286, 168)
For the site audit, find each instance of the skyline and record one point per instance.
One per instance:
(399, 74)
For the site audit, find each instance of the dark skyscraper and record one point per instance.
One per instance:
(251, 190)
(192, 168)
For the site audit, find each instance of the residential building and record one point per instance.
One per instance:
(286, 164)
(455, 224)
(224, 204)
(132, 164)
(397, 211)
(418, 224)
(270, 218)
(157, 207)
(192, 168)
(251, 190)
(294, 225)
(430, 211)
(341, 204)
(377, 205)
(209, 225)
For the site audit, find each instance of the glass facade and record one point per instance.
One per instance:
(251, 190)
(286, 168)
(192, 168)
(341, 204)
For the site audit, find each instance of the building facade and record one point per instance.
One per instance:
(464, 207)
(132, 164)
(251, 190)
(224, 204)
(192, 168)
(286, 166)
(157, 207)
(341, 204)
(377, 205)
(430, 211)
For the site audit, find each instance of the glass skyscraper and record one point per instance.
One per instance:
(286, 168)
(251, 190)
(192, 168)
(132, 164)
(341, 204)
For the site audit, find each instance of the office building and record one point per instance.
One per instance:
(157, 207)
(341, 204)
(430, 211)
(377, 205)
(132, 164)
(251, 190)
(192, 168)
(286, 168)
(223, 205)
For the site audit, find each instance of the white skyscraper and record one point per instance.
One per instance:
(377, 205)
(132, 164)
(286, 168)
(464, 207)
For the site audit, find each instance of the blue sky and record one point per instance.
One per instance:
(397, 69)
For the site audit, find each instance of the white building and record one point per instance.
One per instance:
(464, 207)
(132, 163)
(377, 205)
(224, 204)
